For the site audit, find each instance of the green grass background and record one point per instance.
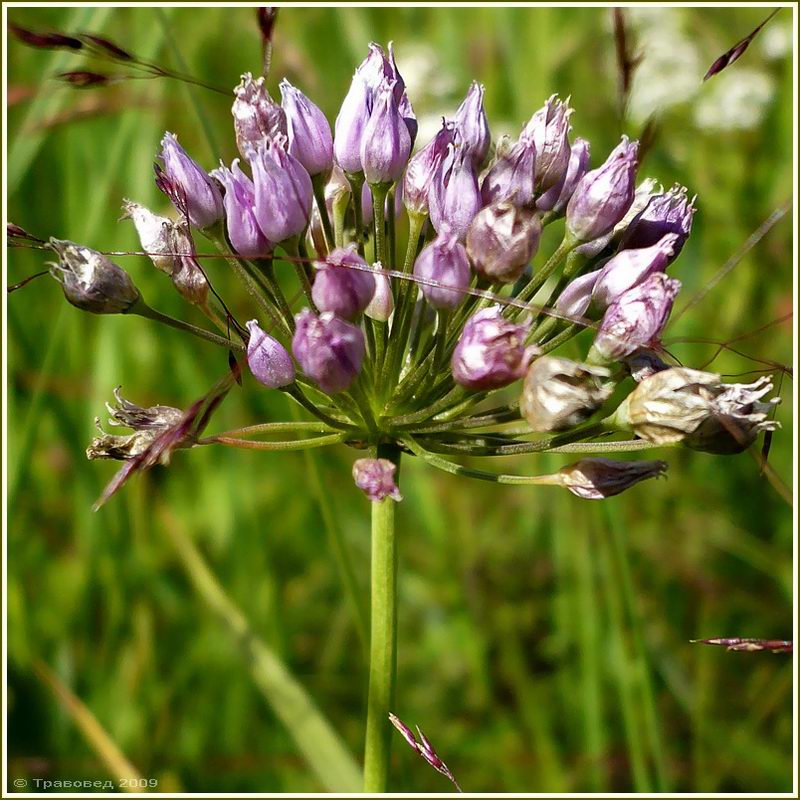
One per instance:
(543, 640)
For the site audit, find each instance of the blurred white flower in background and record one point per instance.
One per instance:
(734, 100)
(776, 40)
(671, 69)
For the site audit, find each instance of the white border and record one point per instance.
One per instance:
(795, 392)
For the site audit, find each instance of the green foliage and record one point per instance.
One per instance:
(543, 640)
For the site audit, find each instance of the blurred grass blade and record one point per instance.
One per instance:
(48, 101)
(319, 743)
(94, 733)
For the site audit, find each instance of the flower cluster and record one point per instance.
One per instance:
(407, 355)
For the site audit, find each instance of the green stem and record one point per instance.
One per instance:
(299, 444)
(379, 191)
(383, 638)
(141, 309)
(541, 275)
(318, 183)
(302, 269)
(356, 181)
(266, 267)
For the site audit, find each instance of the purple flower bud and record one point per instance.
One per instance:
(244, 234)
(635, 319)
(90, 281)
(511, 177)
(341, 289)
(604, 195)
(267, 358)
(375, 477)
(310, 139)
(350, 124)
(491, 351)
(256, 116)
(422, 168)
(669, 212)
(598, 478)
(454, 198)
(386, 143)
(401, 96)
(283, 191)
(556, 198)
(445, 261)
(329, 350)
(629, 268)
(502, 240)
(549, 129)
(202, 197)
(381, 306)
(472, 125)
(576, 298)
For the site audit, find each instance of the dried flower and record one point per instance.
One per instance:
(340, 287)
(283, 191)
(376, 478)
(635, 319)
(604, 195)
(155, 234)
(256, 116)
(329, 350)
(559, 394)
(309, 132)
(90, 281)
(502, 240)
(146, 423)
(598, 478)
(201, 196)
(491, 351)
(445, 261)
(694, 407)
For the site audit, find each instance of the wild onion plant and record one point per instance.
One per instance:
(439, 345)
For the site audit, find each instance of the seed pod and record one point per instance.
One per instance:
(559, 394)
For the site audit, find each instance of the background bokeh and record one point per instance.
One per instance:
(544, 640)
